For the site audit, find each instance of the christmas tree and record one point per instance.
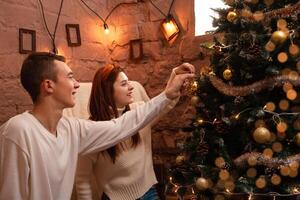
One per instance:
(244, 142)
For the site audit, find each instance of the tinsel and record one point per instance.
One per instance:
(265, 161)
(293, 10)
(284, 12)
(254, 87)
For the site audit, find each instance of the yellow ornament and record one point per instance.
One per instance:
(297, 139)
(231, 16)
(261, 135)
(194, 100)
(180, 159)
(227, 74)
(202, 183)
(278, 37)
(193, 86)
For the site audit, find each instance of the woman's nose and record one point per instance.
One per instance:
(130, 86)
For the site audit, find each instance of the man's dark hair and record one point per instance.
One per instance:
(36, 68)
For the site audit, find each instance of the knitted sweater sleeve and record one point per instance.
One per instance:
(100, 135)
(13, 175)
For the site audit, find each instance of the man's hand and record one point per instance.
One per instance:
(177, 79)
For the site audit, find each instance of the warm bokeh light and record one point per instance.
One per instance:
(281, 127)
(275, 179)
(261, 182)
(258, 16)
(277, 147)
(294, 49)
(251, 172)
(282, 57)
(270, 46)
(270, 106)
(285, 170)
(268, 153)
(284, 104)
(281, 24)
(287, 86)
(291, 94)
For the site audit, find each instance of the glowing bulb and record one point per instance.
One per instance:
(295, 190)
(170, 26)
(250, 197)
(106, 29)
(237, 116)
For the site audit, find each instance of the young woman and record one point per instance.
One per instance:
(125, 171)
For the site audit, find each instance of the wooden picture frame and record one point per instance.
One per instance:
(75, 29)
(32, 33)
(136, 50)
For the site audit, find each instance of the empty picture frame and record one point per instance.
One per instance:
(136, 50)
(27, 41)
(73, 35)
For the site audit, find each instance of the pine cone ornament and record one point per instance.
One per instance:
(245, 40)
(202, 149)
(254, 50)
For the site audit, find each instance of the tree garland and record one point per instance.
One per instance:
(265, 161)
(254, 87)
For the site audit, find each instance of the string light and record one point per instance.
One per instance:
(52, 36)
(169, 26)
(276, 116)
(250, 196)
(106, 29)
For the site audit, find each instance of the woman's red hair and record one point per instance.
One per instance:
(102, 105)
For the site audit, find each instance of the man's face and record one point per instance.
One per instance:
(65, 87)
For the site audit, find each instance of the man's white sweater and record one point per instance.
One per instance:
(35, 165)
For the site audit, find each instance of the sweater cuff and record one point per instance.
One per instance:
(163, 97)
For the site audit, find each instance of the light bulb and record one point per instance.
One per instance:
(106, 29)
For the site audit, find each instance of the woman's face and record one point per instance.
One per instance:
(122, 90)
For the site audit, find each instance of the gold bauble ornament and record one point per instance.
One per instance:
(231, 16)
(193, 86)
(195, 100)
(279, 37)
(297, 139)
(227, 74)
(262, 135)
(202, 183)
(180, 159)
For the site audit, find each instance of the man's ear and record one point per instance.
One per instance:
(47, 86)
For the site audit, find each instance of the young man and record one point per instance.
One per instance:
(39, 148)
